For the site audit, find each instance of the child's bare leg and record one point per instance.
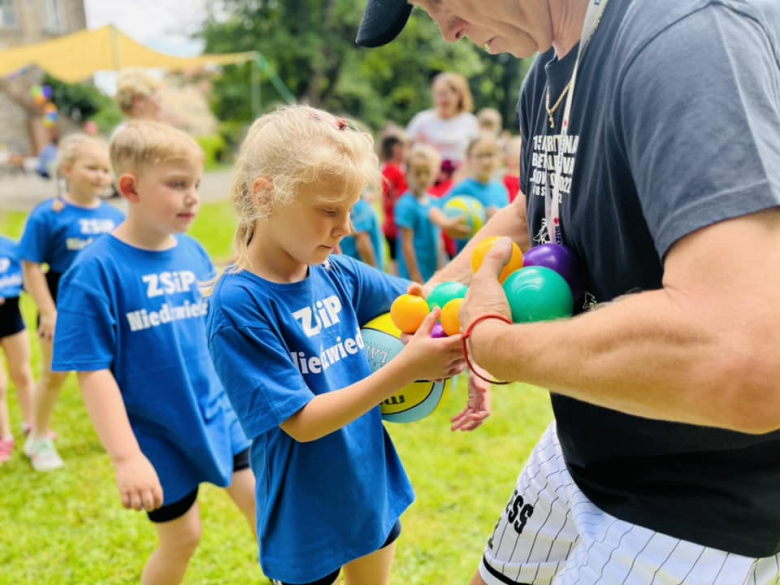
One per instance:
(242, 492)
(178, 540)
(373, 569)
(5, 419)
(47, 392)
(17, 349)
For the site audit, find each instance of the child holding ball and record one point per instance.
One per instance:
(284, 334)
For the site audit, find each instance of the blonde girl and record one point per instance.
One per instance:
(56, 231)
(284, 335)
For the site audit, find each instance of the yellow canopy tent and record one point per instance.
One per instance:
(79, 56)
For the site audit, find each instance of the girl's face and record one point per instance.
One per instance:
(483, 160)
(89, 175)
(446, 99)
(419, 175)
(148, 108)
(309, 229)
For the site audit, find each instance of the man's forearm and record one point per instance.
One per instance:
(645, 356)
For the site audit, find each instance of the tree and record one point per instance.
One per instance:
(310, 44)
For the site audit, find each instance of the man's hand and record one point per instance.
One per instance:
(486, 295)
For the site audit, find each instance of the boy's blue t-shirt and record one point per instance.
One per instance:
(10, 269)
(323, 503)
(365, 219)
(54, 236)
(412, 214)
(141, 314)
(490, 194)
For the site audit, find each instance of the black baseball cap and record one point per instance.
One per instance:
(383, 20)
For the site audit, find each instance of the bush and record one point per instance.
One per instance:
(214, 149)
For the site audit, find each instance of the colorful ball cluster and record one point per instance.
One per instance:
(541, 285)
(409, 311)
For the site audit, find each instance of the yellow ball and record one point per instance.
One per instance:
(515, 261)
(408, 312)
(450, 317)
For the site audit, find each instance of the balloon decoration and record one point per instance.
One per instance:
(41, 94)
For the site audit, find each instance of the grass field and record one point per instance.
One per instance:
(68, 527)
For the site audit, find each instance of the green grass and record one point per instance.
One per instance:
(69, 527)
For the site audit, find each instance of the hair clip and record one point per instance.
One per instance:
(341, 123)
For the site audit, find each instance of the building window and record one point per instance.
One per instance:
(8, 14)
(55, 17)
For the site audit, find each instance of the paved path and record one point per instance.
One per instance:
(24, 191)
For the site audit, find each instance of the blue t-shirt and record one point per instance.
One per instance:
(365, 219)
(54, 236)
(412, 214)
(491, 194)
(141, 314)
(323, 503)
(10, 269)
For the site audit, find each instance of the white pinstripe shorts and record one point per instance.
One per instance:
(551, 534)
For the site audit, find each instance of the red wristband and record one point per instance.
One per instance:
(465, 338)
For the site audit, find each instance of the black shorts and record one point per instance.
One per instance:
(53, 281)
(391, 242)
(11, 321)
(180, 507)
(395, 532)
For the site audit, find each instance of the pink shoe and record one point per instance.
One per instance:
(6, 449)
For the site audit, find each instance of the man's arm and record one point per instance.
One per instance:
(702, 350)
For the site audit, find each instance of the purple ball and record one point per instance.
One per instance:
(560, 259)
(438, 331)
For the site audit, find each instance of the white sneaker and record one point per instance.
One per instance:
(42, 453)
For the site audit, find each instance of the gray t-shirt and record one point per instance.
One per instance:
(675, 126)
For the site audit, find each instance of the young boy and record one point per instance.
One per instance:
(132, 324)
(393, 152)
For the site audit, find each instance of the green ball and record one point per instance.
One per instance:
(537, 293)
(446, 292)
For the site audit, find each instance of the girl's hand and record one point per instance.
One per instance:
(48, 321)
(477, 408)
(456, 228)
(432, 359)
(138, 483)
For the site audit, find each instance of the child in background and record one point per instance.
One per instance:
(393, 151)
(284, 335)
(420, 220)
(56, 231)
(512, 172)
(490, 123)
(483, 160)
(365, 241)
(15, 343)
(132, 324)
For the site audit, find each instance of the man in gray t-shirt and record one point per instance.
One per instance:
(663, 463)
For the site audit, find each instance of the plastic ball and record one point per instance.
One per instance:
(515, 260)
(408, 312)
(445, 292)
(537, 293)
(438, 331)
(469, 208)
(560, 259)
(450, 317)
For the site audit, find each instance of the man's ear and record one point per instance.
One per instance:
(127, 184)
(263, 195)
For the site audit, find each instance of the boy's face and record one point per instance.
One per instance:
(483, 161)
(419, 175)
(168, 197)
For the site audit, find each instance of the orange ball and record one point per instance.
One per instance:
(450, 317)
(408, 312)
(515, 261)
